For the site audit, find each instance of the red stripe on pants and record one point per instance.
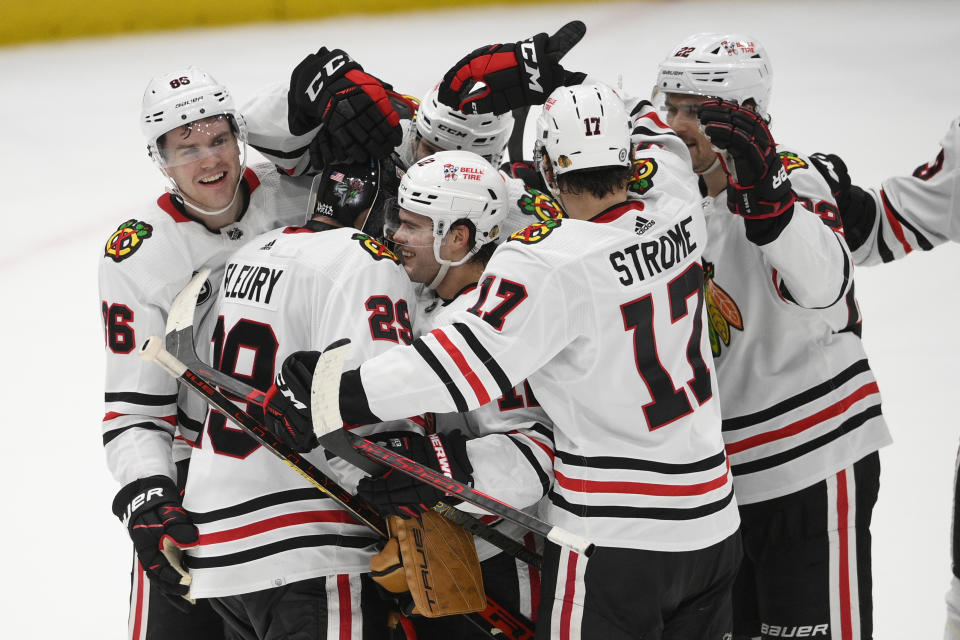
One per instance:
(138, 611)
(569, 588)
(346, 615)
(846, 625)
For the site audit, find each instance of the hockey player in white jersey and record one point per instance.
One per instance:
(603, 312)
(446, 248)
(274, 551)
(906, 213)
(801, 408)
(214, 203)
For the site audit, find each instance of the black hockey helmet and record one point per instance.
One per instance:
(344, 190)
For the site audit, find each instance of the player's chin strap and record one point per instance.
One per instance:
(175, 189)
(441, 274)
(717, 164)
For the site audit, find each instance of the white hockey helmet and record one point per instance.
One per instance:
(583, 127)
(728, 66)
(483, 133)
(456, 185)
(175, 99)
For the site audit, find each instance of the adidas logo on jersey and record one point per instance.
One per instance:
(268, 246)
(642, 225)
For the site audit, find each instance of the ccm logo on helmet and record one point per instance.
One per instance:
(443, 127)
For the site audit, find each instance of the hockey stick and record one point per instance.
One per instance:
(494, 621)
(327, 423)
(180, 343)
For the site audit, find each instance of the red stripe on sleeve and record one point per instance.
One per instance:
(894, 223)
(472, 378)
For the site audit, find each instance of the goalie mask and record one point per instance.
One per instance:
(193, 102)
(344, 191)
(454, 187)
(728, 66)
(443, 128)
(582, 127)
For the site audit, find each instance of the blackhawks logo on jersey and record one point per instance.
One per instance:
(537, 203)
(792, 161)
(127, 239)
(642, 179)
(375, 248)
(535, 232)
(722, 311)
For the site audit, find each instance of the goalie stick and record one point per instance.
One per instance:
(180, 343)
(495, 621)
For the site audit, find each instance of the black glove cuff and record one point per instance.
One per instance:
(765, 230)
(142, 494)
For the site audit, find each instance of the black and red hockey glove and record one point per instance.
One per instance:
(395, 493)
(286, 409)
(858, 209)
(152, 510)
(355, 109)
(757, 185)
(515, 74)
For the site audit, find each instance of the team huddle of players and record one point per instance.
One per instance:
(560, 332)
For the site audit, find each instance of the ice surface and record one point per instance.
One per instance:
(875, 82)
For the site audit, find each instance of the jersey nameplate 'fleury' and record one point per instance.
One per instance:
(299, 288)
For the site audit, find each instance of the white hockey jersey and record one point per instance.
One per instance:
(605, 318)
(799, 399)
(261, 525)
(512, 446)
(919, 211)
(146, 262)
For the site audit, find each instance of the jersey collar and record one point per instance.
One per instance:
(616, 211)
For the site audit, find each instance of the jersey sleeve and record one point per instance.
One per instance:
(915, 212)
(809, 260)
(515, 467)
(140, 398)
(510, 332)
(269, 133)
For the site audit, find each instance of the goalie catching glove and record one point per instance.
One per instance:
(757, 185)
(435, 561)
(395, 493)
(516, 74)
(152, 510)
(353, 109)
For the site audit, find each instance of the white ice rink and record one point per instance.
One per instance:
(874, 82)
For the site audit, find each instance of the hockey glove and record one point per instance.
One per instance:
(858, 209)
(395, 493)
(757, 184)
(353, 108)
(153, 512)
(286, 409)
(516, 74)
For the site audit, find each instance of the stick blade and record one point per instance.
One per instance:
(325, 391)
(184, 305)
